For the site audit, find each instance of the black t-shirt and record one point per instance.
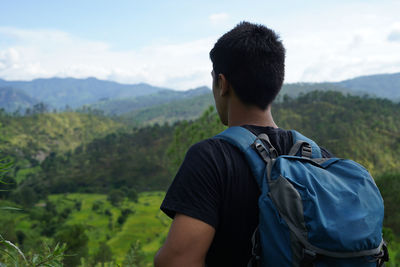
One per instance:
(215, 185)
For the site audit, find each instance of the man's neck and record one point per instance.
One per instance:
(240, 114)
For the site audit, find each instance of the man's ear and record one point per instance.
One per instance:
(223, 85)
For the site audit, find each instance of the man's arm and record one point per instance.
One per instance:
(187, 243)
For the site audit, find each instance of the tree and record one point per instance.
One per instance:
(26, 196)
(77, 243)
(11, 255)
(135, 256)
(116, 196)
(124, 215)
(5, 166)
(104, 253)
(389, 186)
(7, 184)
(132, 195)
(39, 108)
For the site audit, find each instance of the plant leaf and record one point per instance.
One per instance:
(10, 208)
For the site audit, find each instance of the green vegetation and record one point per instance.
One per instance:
(177, 110)
(93, 234)
(90, 176)
(296, 89)
(389, 185)
(11, 254)
(29, 140)
(38, 135)
(121, 161)
(129, 105)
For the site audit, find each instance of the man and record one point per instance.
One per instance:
(213, 198)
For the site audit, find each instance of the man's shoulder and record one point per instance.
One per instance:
(210, 145)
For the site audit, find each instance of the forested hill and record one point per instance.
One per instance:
(120, 106)
(88, 153)
(12, 99)
(59, 92)
(171, 112)
(379, 85)
(131, 159)
(359, 128)
(35, 136)
(364, 129)
(382, 85)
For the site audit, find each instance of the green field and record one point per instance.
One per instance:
(146, 224)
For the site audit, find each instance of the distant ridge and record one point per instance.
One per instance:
(116, 99)
(12, 99)
(128, 105)
(381, 85)
(59, 92)
(378, 85)
(176, 110)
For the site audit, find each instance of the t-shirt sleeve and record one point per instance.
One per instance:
(195, 190)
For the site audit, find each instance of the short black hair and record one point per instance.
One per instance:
(252, 58)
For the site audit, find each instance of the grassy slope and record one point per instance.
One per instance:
(52, 132)
(147, 224)
(36, 136)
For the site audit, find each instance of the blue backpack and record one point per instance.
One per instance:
(313, 211)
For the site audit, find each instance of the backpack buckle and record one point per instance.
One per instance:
(382, 256)
(306, 150)
(308, 259)
(261, 151)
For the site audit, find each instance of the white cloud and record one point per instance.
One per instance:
(394, 35)
(340, 43)
(328, 46)
(44, 53)
(218, 18)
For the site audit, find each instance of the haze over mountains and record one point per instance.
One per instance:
(118, 106)
(134, 101)
(60, 92)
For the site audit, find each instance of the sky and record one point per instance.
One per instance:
(167, 43)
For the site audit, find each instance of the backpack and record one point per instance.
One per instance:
(313, 211)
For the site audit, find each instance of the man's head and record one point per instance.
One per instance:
(252, 59)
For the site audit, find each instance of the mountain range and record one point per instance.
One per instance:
(11, 99)
(60, 92)
(157, 103)
(380, 85)
(119, 106)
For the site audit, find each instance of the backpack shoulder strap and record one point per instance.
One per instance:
(244, 139)
(298, 137)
